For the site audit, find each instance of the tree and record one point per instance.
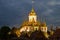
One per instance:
(4, 32)
(24, 36)
(56, 35)
(37, 35)
(13, 33)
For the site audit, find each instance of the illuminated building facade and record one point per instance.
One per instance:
(33, 24)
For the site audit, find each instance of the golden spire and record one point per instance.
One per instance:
(32, 12)
(45, 22)
(32, 9)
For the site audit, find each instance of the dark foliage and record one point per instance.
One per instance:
(36, 35)
(4, 32)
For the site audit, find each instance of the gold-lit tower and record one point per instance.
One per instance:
(32, 16)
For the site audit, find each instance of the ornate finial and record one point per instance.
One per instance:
(45, 21)
(32, 10)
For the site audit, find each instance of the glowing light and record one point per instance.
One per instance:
(18, 33)
(9, 33)
(44, 29)
(22, 29)
(28, 29)
(32, 2)
(32, 16)
(25, 28)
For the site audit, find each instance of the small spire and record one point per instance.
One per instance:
(45, 21)
(32, 9)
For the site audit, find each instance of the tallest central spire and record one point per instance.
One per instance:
(32, 12)
(32, 5)
(32, 16)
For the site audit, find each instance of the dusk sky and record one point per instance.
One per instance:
(14, 12)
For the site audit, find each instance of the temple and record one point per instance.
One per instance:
(32, 24)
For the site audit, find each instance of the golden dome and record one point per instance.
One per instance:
(32, 12)
(43, 24)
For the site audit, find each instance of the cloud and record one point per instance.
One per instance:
(58, 3)
(52, 3)
(47, 12)
(16, 11)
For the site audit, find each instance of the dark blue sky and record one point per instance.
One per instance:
(14, 12)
